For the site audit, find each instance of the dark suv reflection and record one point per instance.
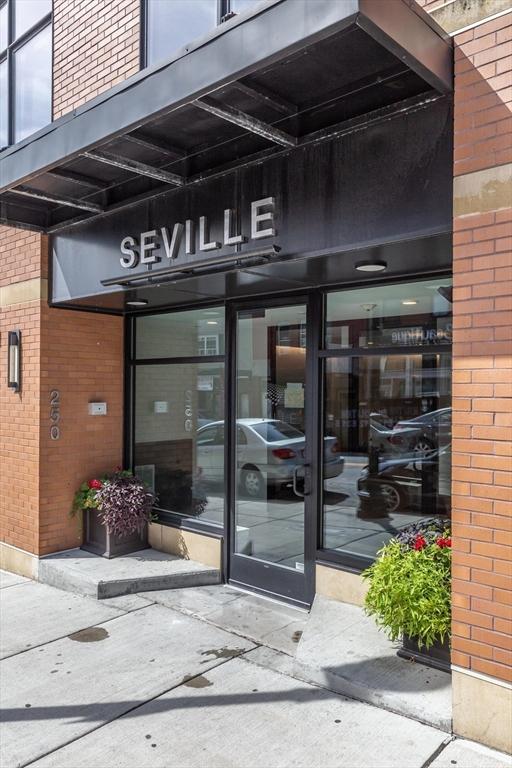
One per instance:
(407, 484)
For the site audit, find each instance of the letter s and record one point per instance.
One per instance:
(130, 258)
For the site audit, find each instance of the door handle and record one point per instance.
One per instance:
(307, 489)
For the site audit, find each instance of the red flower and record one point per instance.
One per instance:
(443, 543)
(95, 485)
(420, 542)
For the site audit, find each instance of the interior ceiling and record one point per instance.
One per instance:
(286, 104)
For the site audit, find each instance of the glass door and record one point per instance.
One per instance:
(271, 456)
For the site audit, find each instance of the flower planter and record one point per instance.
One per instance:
(99, 541)
(437, 656)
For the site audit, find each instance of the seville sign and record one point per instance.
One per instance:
(153, 245)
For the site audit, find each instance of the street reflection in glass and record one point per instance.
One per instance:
(390, 412)
(270, 435)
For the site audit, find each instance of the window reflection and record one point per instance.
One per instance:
(198, 332)
(391, 417)
(171, 24)
(32, 84)
(27, 13)
(179, 436)
(405, 314)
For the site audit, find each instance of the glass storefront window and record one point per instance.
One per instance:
(179, 436)
(389, 412)
(405, 314)
(198, 332)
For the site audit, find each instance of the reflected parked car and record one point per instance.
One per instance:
(389, 441)
(269, 453)
(425, 433)
(408, 484)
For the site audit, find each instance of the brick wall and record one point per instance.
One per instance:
(82, 357)
(482, 388)
(20, 258)
(95, 46)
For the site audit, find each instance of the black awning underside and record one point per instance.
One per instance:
(166, 128)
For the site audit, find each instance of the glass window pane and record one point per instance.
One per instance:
(181, 334)
(3, 27)
(240, 6)
(179, 443)
(271, 441)
(3, 105)
(171, 25)
(32, 84)
(29, 12)
(390, 418)
(407, 314)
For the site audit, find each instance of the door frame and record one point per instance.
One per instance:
(246, 575)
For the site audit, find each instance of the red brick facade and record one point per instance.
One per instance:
(482, 376)
(95, 46)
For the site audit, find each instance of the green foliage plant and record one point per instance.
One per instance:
(409, 584)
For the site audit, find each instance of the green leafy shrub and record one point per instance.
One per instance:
(410, 590)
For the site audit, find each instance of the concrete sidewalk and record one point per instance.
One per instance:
(133, 682)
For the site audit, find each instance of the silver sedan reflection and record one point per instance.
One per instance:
(269, 453)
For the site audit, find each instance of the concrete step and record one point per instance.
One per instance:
(86, 574)
(342, 649)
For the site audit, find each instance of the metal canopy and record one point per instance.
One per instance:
(284, 76)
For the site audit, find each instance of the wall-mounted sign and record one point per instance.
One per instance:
(54, 414)
(151, 246)
(205, 383)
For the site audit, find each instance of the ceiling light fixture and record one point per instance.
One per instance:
(137, 303)
(409, 302)
(371, 265)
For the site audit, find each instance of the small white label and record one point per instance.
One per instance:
(161, 406)
(299, 567)
(97, 409)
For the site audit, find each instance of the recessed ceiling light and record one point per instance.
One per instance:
(409, 302)
(211, 322)
(137, 303)
(211, 312)
(371, 266)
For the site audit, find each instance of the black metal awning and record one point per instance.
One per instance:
(290, 73)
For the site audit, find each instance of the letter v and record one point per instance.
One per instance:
(172, 248)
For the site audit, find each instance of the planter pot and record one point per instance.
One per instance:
(437, 656)
(99, 541)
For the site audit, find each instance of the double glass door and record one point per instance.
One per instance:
(271, 453)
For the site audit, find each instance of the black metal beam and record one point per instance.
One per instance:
(248, 123)
(79, 178)
(155, 145)
(126, 164)
(382, 114)
(266, 97)
(70, 202)
(8, 222)
(193, 267)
